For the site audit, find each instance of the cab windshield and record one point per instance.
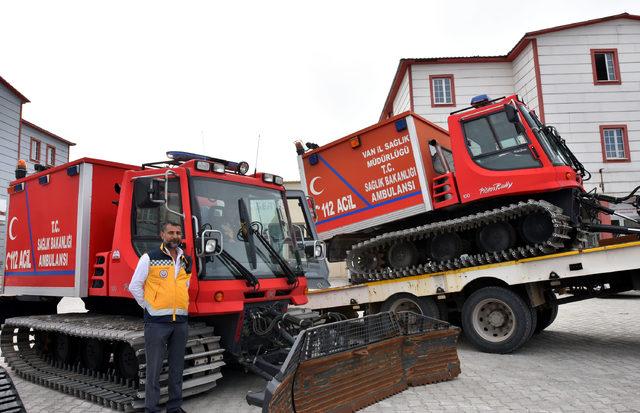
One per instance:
(548, 144)
(217, 206)
(495, 143)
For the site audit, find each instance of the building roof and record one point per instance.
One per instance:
(512, 54)
(46, 132)
(15, 91)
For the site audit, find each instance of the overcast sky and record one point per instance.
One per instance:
(129, 80)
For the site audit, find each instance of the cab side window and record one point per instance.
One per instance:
(147, 216)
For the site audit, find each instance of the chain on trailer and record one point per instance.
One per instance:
(24, 342)
(366, 260)
(350, 364)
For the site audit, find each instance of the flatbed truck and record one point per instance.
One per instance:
(499, 306)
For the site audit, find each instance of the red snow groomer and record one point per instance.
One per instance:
(406, 197)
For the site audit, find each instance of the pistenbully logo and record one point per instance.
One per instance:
(496, 187)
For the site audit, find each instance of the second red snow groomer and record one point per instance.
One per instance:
(407, 197)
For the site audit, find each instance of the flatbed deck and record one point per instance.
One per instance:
(578, 263)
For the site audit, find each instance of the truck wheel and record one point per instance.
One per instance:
(497, 320)
(547, 312)
(409, 302)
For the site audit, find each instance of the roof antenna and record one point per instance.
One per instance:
(255, 165)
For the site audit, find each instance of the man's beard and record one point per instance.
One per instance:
(172, 244)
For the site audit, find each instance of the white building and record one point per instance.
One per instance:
(583, 78)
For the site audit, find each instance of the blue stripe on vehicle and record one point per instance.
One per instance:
(53, 272)
(356, 211)
(344, 181)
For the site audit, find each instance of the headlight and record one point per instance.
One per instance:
(218, 167)
(267, 178)
(210, 246)
(203, 166)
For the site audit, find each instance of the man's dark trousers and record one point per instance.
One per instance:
(157, 337)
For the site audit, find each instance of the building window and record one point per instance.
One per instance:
(606, 70)
(442, 90)
(34, 151)
(51, 155)
(615, 143)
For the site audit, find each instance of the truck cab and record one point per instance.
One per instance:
(236, 227)
(500, 148)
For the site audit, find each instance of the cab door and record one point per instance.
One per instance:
(316, 269)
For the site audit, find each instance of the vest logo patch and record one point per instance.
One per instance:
(164, 273)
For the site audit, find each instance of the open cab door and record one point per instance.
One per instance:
(314, 263)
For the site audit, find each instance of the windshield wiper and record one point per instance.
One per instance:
(245, 231)
(228, 259)
(288, 271)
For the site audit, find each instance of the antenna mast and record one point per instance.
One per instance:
(255, 165)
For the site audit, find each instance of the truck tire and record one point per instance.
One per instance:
(547, 312)
(409, 302)
(497, 320)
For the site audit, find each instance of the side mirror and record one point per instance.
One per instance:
(319, 250)
(315, 249)
(155, 192)
(148, 193)
(209, 243)
(512, 114)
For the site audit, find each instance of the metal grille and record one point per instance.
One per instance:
(351, 334)
(412, 323)
(345, 335)
(401, 366)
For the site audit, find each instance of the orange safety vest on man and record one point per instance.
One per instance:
(166, 294)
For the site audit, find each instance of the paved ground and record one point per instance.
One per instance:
(588, 360)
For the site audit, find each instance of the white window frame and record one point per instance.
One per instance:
(616, 143)
(446, 99)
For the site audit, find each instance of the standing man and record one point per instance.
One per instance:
(160, 285)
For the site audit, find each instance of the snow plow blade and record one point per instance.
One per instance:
(348, 365)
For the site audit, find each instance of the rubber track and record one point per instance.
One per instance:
(9, 398)
(107, 388)
(377, 247)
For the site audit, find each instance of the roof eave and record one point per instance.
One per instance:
(395, 85)
(15, 91)
(46, 132)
